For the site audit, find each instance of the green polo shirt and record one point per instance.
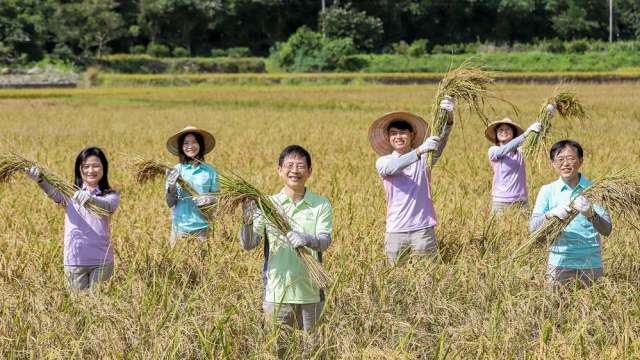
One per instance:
(285, 276)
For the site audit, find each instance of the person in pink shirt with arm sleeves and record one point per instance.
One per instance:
(509, 187)
(398, 138)
(88, 252)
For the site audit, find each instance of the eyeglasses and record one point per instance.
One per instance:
(568, 160)
(297, 166)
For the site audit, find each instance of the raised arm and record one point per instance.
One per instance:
(55, 195)
(497, 152)
(389, 165)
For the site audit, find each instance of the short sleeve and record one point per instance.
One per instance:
(324, 224)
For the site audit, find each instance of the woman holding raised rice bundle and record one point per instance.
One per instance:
(507, 161)
(399, 139)
(576, 254)
(190, 145)
(88, 253)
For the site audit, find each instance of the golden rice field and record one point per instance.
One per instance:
(478, 299)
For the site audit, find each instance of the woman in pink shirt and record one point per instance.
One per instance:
(507, 161)
(88, 253)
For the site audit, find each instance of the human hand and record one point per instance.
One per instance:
(431, 144)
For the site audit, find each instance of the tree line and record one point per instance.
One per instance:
(81, 29)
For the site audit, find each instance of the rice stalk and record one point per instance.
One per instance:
(469, 84)
(234, 190)
(11, 163)
(618, 192)
(147, 170)
(568, 107)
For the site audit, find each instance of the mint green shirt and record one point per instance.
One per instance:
(186, 215)
(286, 279)
(578, 246)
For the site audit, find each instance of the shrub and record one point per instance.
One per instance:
(353, 63)
(157, 50)
(180, 52)
(300, 51)
(418, 47)
(238, 52)
(218, 53)
(400, 48)
(345, 22)
(578, 46)
(137, 49)
(554, 45)
(449, 49)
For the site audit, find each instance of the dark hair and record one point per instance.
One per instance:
(183, 157)
(557, 147)
(514, 130)
(294, 150)
(103, 184)
(400, 125)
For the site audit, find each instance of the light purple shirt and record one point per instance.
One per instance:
(408, 192)
(87, 237)
(509, 175)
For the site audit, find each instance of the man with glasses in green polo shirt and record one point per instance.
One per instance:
(290, 297)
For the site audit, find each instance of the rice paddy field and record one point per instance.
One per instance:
(480, 298)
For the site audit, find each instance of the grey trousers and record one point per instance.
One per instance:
(201, 235)
(498, 206)
(559, 275)
(420, 242)
(86, 277)
(298, 316)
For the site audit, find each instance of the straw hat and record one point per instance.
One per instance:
(379, 136)
(209, 140)
(490, 131)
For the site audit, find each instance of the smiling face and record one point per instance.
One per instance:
(294, 172)
(190, 146)
(401, 139)
(91, 171)
(504, 133)
(566, 163)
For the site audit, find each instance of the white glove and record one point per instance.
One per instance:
(583, 205)
(561, 212)
(249, 209)
(431, 144)
(535, 127)
(551, 109)
(297, 239)
(172, 177)
(34, 173)
(81, 197)
(447, 104)
(202, 200)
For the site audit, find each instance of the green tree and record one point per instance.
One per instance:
(87, 25)
(346, 22)
(23, 29)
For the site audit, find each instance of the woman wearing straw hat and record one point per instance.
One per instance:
(507, 161)
(399, 139)
(190, 144)
(576, 254)
(88, 253)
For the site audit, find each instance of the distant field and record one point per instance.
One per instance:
(477, 300)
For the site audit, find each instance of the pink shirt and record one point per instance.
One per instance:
(408, 192)
(509, 175)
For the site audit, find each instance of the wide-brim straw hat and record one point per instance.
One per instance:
(490, 131)
(209, 140)
(379, 135)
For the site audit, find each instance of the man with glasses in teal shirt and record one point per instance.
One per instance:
(290, 296)
(576, 254)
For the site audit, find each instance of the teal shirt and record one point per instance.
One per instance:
(578, 247)
(186, 216)
(286, 278)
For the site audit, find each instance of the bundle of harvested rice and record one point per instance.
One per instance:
(11, 164)
(147, 170)
(468, 84)
(567, 105)
(618, 192)
(234, 190)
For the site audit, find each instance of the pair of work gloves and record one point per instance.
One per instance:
(172, 176)
(295, 238)
(581, 204)
(433, 142)
(80, 197)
